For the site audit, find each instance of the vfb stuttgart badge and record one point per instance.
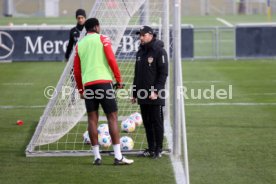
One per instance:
(150, 60)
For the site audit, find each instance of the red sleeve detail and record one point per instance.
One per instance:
(111, 57)
(77, 71)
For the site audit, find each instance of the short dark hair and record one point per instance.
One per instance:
(80, 12)
(91, 23)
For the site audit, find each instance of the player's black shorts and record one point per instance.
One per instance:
(100, 94)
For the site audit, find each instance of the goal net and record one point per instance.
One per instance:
(61, 127)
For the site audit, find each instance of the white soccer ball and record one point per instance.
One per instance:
(86, 138)
(104, 140)
(137, 118)
(103, 129)
(128, 125)
(126, 143)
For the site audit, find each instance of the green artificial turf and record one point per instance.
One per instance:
(229, 140)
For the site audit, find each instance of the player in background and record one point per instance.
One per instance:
(75, 32)
(73, 39)
(93, 63)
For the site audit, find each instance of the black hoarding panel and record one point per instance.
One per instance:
(187, 43)
(255, 42)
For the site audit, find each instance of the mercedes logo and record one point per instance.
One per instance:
(6, 45)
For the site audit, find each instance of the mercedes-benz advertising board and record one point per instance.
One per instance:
(49, 43)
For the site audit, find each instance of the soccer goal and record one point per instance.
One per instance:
(61, 127)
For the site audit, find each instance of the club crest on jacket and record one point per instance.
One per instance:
(150, 60)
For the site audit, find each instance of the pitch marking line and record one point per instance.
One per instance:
(188, 104)
(258, 94)
(18, 84)
(214, 81)
(21, 106)
(224, 22)
(178, 168)
(231, 104)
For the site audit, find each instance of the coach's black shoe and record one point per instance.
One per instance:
(97, 162)
(157, 154)
(123, 161)
(146, 153)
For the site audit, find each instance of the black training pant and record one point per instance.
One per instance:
(154, 125)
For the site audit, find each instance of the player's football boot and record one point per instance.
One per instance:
(97, 162)
(123, 161)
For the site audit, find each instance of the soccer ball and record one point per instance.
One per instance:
(128, 125)
(103, 129)
(86, 138)
(104, 140)
(126, 143)
(137, 118)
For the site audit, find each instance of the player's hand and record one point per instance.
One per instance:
(82, 96)
(153, 95)
(118, 85)
(133, 100)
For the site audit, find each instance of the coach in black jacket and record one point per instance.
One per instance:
(75, 32)
(151, 71)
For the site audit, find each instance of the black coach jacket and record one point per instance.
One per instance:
(151, 71)
(74, 36)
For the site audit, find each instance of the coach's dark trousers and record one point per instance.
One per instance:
(154, 125)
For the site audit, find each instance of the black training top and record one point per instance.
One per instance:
(151, 71)
(74, 36)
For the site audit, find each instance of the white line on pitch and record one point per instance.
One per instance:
(215, 81)
(231, 104)
(18, 84)
(258, 94)
(188, 104)
(178, 168)
(21, 106)
(224, 22)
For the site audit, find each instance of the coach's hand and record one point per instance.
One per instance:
(153, 95)
(133, 100)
